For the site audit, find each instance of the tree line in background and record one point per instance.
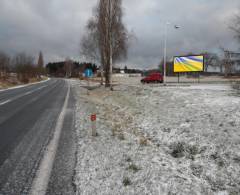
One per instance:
(69, 68)
(22, 65)
(105, 42)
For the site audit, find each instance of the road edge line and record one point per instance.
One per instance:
(41, 180)
(21, 86)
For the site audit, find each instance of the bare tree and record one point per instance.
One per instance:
(211, 60)
(235, 26)
(90, 42)
(24, 67)
(107, 36)
(68, 66)
(226, 61)
(40, 60)
(40, 64)
(4, 65)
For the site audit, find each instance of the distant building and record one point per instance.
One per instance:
(229, 64)
(234, 59)
(213, 63)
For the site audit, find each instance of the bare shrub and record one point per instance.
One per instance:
(121, 136)
(128, 159)
(177, 149)
(143, 141)
(127, 181)
(191, 151)
(197, 170)
(236, 85)
(133, 168)
(4, 65)
(25, 68)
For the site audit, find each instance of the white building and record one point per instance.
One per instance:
(213, 63)
(234, 58)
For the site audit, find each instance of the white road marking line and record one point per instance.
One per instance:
(30, 92)
(41, 87)
(5, 102)
(27, 93)
(21, 86)
(43, 174)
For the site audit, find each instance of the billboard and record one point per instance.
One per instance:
(189, 64)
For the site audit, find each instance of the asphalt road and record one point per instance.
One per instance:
(28, 118)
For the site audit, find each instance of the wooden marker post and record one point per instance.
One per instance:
(93, 121)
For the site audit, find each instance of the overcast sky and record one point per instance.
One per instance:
(56, 27)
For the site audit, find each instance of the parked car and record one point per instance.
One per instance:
(153, 78)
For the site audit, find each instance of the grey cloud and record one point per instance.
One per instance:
(56, 27)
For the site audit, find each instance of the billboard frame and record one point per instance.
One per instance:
(194, 55)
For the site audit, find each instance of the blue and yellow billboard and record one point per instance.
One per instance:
(189, 64)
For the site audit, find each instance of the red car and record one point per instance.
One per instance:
(153, 78)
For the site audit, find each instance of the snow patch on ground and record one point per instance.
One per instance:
(219, 87)
(158, 140)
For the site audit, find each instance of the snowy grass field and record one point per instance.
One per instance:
(182, 140)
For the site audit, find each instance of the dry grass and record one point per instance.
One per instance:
(143, 141)
(12, 82)
(4, 84)
(121, 136)
(116, 129)
(236, 85)
(120, 122)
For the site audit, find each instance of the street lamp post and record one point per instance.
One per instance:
(165, 52)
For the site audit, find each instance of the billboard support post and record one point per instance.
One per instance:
(194, 63)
